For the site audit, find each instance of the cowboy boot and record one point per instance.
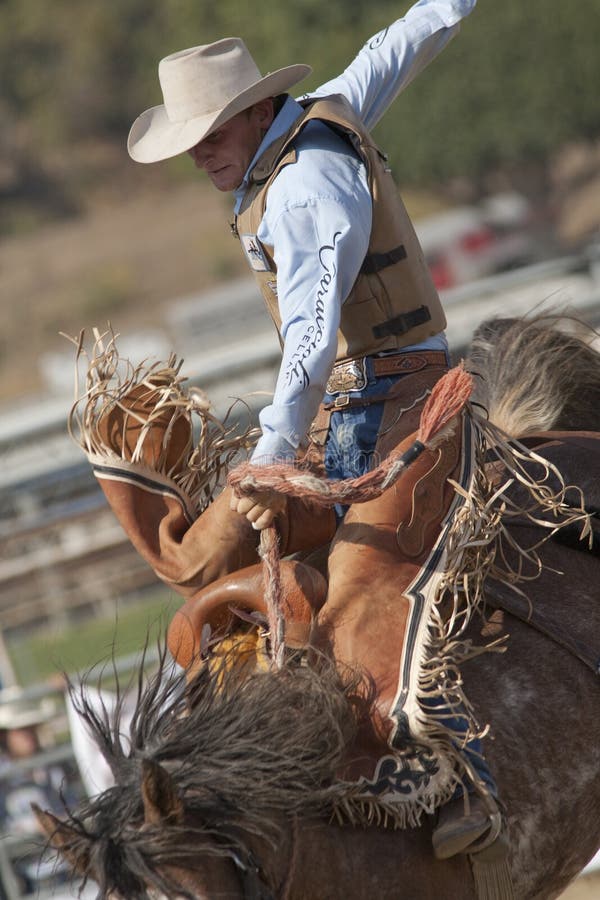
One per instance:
(473, 827)
(139, 440)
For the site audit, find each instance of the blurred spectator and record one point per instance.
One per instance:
(26, 779)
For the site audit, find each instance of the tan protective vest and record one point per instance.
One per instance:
(393, 302)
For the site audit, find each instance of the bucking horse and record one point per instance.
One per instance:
(299, 746)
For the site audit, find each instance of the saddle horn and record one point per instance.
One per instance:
(303, 590)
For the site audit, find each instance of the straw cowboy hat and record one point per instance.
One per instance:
(203, 87)
(23, 715)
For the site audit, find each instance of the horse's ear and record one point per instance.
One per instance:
(162, 803)
(66, 840)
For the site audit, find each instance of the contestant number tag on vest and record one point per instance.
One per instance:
(255, 253)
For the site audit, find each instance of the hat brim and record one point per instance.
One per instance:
(12, 719)
(154, 137)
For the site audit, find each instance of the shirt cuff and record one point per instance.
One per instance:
(272, 447)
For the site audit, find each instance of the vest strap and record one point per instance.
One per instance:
(402, 323)
(374, 262)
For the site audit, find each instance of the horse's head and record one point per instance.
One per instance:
(190, 814)
(149, 857)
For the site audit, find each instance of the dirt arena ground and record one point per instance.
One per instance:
(585, 888)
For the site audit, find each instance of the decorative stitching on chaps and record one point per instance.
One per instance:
(403, 407)
(429, 501)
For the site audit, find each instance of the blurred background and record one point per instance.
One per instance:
(496, 151)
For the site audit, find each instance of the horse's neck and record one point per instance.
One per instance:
(346, 862)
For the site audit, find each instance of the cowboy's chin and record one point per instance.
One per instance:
(225, 179)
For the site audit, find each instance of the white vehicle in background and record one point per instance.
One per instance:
(471, 242)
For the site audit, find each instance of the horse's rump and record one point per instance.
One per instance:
(561, 599)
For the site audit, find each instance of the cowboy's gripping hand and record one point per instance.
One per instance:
(261, 508)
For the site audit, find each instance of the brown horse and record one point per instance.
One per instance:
(228, 786)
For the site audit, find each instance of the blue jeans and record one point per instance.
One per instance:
(473, 751)
(353, 432)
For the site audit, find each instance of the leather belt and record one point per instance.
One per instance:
(351, 374)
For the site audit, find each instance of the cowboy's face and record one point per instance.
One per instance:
(226, 153)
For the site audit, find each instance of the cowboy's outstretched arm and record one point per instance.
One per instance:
(319, 249)
(391, 59)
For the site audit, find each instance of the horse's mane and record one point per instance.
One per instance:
(243, 752)
(537, 376)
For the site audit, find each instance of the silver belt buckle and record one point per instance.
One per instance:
(348, 376)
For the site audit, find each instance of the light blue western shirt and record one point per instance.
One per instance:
(319, 212)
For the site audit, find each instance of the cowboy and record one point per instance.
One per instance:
(333, 250)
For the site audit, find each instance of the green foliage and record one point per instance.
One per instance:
(517, 83)
(520, 79)
(77, 647)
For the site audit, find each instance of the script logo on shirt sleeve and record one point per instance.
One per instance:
(255, 253)
(377, 40)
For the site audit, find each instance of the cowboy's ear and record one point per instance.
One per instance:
(264, 112)
(68, 842)
(162, 803)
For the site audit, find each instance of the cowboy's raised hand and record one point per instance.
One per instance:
(261, 508)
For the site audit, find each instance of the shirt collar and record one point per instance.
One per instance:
(282, 122)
